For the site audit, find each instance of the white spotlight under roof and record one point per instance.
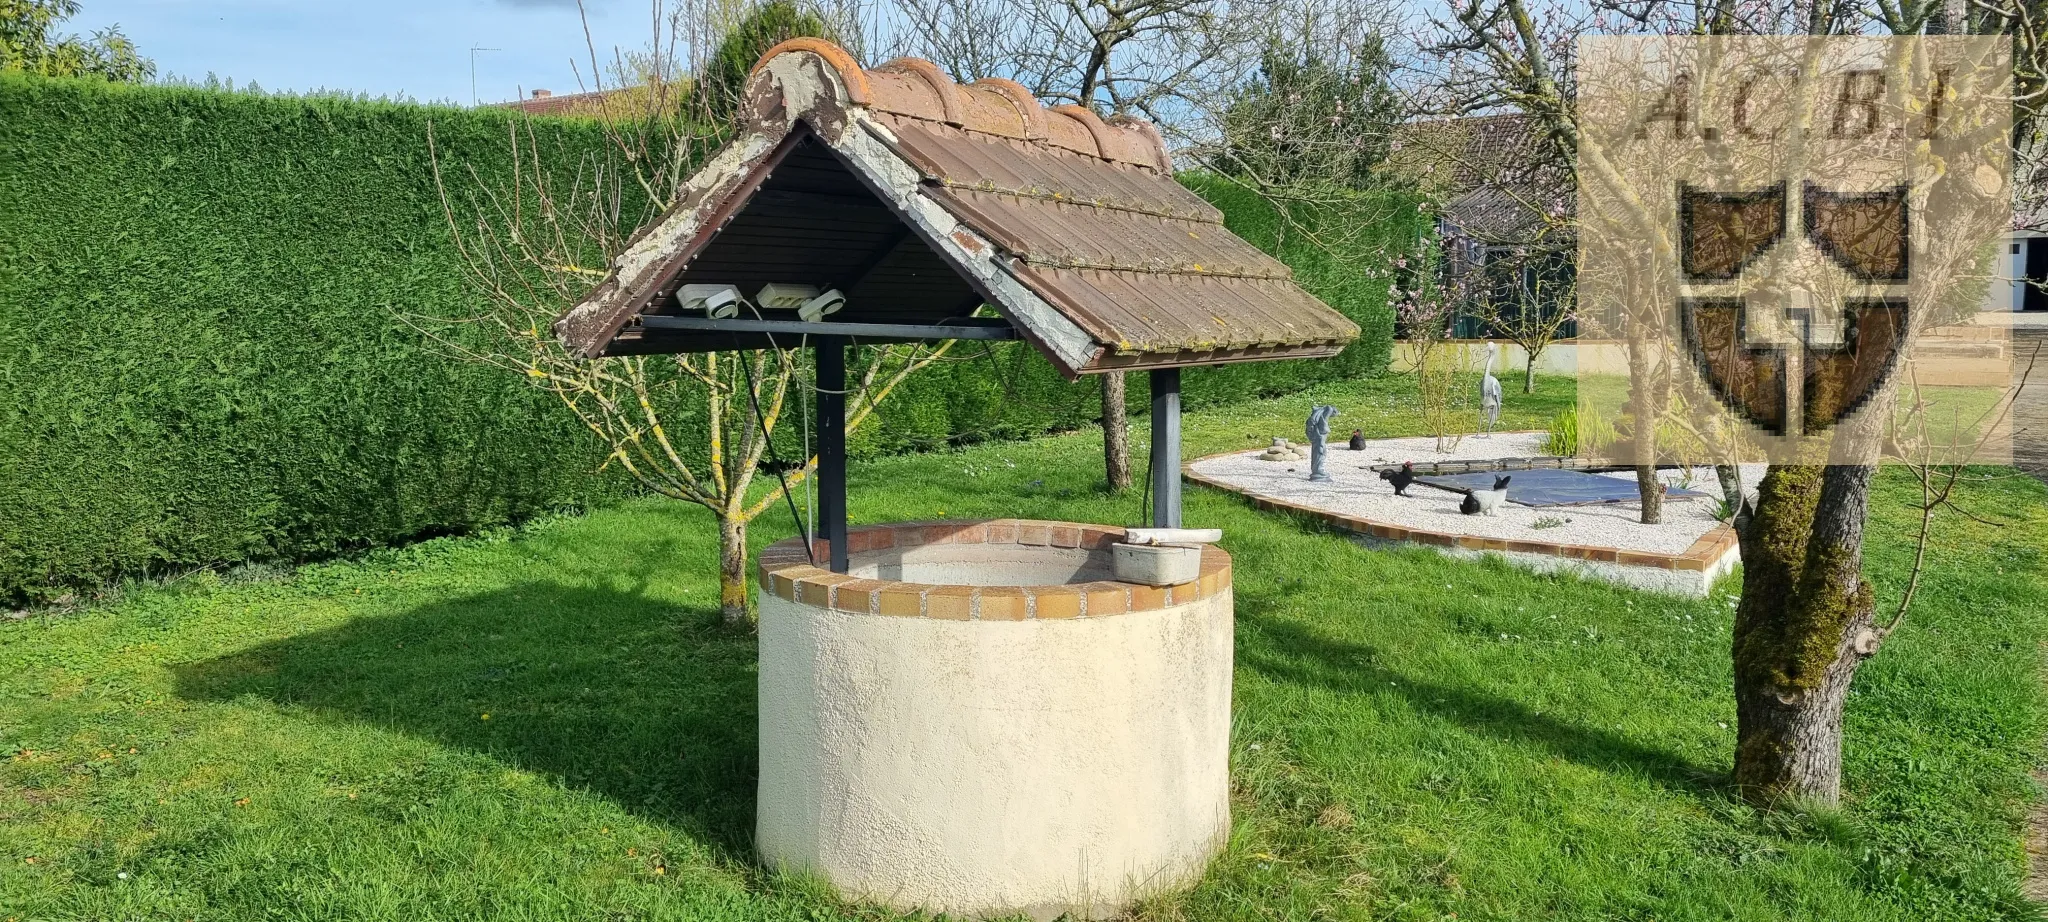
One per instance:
(810, 304)
(784, 296)
(816, 308)
(719, 302)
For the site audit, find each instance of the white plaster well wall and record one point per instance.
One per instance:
(1011, 733)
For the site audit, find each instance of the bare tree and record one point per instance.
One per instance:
(1529, 300)
(696, 428)
(1146, 58)
(1307, 129)
(1429, 291)
(1807, 618)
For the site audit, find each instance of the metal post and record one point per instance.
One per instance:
(1166, 448)
(831, 351)
(472, 72)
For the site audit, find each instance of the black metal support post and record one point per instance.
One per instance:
(831, 352)
(1166, 448)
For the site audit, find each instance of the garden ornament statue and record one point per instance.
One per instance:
(1489, 390)
(1318, 435)
(1487, 502)
(1400, 478)
(1357, 440)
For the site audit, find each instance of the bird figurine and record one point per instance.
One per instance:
(1486, 502)
(1489, 390)
(1357, 440)
(1401, 478)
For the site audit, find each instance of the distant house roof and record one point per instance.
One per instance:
(543, 102)
(617, 103)
(921, 199)
(1495, 173)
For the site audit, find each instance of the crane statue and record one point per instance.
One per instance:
(1489, 390)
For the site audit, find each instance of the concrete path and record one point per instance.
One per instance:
(2030, 414)
(2035, 886)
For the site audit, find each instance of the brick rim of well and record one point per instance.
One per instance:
(787, 572)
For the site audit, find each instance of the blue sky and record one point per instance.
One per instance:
(418, 48)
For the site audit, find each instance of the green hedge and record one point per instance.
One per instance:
(202, 361)
(199, 342)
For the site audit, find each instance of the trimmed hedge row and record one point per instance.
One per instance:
(199, 341)
(202, 359)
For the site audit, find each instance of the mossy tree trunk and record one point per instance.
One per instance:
(1650, 491)
(1805, 623)
(1116, 433)
(1730, 478)
(732, 570)
(1529, 374)
(1646, 409)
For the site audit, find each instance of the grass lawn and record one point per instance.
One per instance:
(549, 723)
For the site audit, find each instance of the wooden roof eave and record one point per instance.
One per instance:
(604, 316)
(653, 259)
(870, 155)
(1100, 335)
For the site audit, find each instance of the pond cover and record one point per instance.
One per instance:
(1549, 487)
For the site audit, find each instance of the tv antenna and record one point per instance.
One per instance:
(473, 49)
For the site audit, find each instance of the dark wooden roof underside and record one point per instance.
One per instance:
(812, 222)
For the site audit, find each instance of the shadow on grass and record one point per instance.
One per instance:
(1290, 652)
(638, 700)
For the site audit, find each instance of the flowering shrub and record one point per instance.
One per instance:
(1427, 293)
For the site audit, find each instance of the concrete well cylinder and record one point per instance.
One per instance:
(976, 720)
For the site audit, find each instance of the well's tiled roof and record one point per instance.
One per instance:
(1069, 224)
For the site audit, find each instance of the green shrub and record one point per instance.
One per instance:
(1563, 440)
(1573, 433)
(762, 27)
(200, 343)
(1341, 251)
(204, 361)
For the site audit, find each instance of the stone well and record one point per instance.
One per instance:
(975, 719)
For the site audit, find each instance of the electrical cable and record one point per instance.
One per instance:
(810, 451)
(1151, 466)
(754, 399)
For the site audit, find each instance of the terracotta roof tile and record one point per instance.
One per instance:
(562, 104)
(918, 89)
(975, 160)
(1081, 236)
(1071, 225)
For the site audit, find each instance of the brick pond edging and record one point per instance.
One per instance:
(1710, 556)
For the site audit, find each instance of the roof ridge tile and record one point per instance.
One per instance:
(931, 95)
